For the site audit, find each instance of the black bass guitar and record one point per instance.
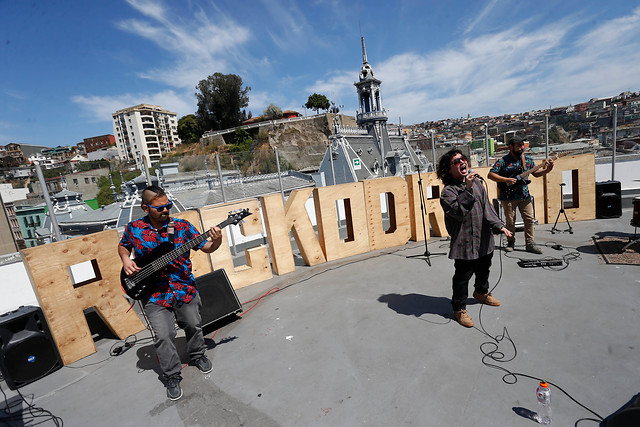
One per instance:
(521, 178)
(137, 286)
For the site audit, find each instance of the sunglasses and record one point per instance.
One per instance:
(168, 206)
(457, 160)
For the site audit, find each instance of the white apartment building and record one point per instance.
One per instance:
(145, 130)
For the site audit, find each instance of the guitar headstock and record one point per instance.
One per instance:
(237, 216)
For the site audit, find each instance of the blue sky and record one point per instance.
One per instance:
(66, 66)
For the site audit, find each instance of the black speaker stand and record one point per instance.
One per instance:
(554, 229)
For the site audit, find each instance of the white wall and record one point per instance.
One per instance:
(15, 287)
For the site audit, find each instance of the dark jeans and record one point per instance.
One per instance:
(464, 270)
(162, 321)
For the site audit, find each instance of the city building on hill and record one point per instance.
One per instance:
(147, 131)
(96, 143)
(31, 218)
(21, 152)
(369, 150)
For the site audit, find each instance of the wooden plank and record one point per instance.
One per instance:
(257, 267)
(583, 169)
(279, 220)
(399, 230)
(434, 215)
(357, 241)
(63, 304)
(200, 261)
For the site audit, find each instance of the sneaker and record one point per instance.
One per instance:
(510, 247)
(463, 318)
(203, 364)
(487, 299)
(174, 392)
(534, 249)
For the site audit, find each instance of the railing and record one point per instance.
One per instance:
(208, 134)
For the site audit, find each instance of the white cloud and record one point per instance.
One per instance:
(513, 70)
(483, 13)
(100, 108)
(197, 45)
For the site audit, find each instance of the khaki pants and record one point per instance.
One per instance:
(526, 211)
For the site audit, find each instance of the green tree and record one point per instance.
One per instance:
(221, 99)
(554, 136)
(188, 129)
(272, 111)
(317, 102)
(242, 141)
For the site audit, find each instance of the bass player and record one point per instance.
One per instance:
(174, 297)
(505, 172)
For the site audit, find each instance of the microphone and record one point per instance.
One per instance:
(472, 172)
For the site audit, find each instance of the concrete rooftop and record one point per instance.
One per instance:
(370, 341)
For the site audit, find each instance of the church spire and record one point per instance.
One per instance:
(366, 72)
(364, 52)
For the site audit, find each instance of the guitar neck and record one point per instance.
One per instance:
(166, 259)
(528, 172)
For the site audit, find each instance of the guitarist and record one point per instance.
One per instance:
(506, 171)
(174, 298)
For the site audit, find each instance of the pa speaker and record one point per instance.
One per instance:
(608, 199)
(218, 297)
(27, 349)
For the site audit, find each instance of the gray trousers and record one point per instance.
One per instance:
(162, 322)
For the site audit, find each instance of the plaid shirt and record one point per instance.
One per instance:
(469, 218)
(508, 166)
(176, 280)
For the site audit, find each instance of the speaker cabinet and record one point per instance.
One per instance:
(219, 300)
(608, 199)
(27, 349)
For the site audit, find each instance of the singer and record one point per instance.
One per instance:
(470, 220)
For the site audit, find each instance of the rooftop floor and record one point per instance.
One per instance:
(370, 341)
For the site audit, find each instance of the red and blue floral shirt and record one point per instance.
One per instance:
(175, 281)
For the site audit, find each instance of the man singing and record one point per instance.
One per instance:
(470, 220)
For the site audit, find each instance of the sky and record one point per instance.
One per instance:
(67, 65)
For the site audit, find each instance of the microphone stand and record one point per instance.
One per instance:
(423, 209)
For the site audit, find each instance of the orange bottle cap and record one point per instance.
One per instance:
(544, 384)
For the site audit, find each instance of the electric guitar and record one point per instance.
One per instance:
(137, 286)
(507, 189)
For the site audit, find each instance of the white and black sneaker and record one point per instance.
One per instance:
(174, 392)
(203, 364)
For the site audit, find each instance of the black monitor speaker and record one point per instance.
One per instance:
(219, 300)
(27, 349)
(608, 199)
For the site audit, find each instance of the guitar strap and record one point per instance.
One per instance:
(171, 231)
(524, 163)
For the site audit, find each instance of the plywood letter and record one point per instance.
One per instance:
(63, 304)
(279, 220)
(258, 267)
(399, 230)
(433, 213)
(357, 241)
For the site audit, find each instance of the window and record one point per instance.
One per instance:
(93, 179)
(86, 180)
(75, 181)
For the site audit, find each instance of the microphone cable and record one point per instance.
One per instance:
(492, 355)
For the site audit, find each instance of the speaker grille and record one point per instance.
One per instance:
(27, 350)
(218, 297)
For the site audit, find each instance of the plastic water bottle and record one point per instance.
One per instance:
(544, 403)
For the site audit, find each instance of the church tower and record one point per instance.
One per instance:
(370, 114)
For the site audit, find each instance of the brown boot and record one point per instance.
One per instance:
(463, 318)
(487, 299)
